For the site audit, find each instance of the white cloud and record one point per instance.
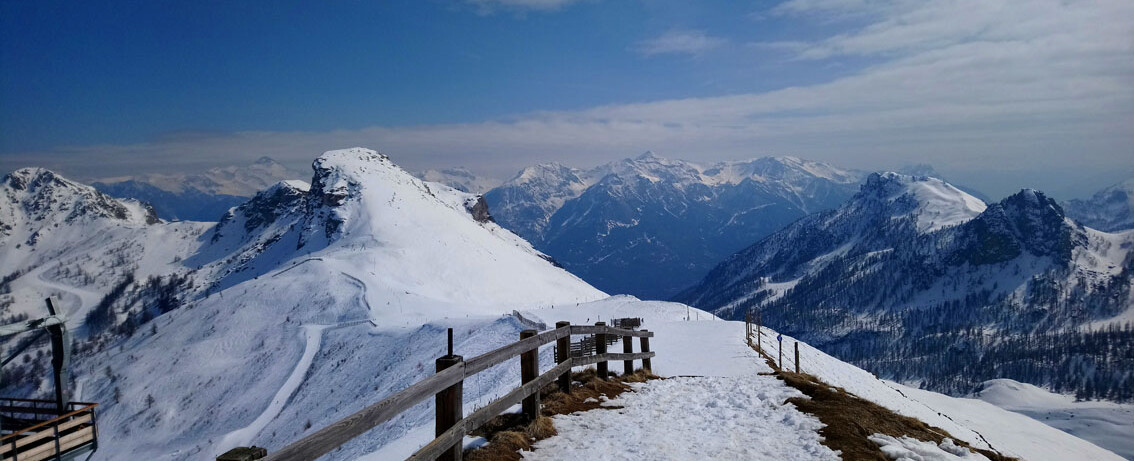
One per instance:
(1028, 89)
(692, 42)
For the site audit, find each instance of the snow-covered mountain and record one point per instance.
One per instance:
(650, 226)
(199, 197)
(1110, 209)
(195, 336)
(312, 300)
(912, 266)
(459, 178)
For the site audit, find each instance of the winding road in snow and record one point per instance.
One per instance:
(312, 335)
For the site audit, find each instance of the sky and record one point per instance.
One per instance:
(995, 94)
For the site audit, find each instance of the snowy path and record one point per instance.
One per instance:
(313, 336)
(691, 418)
(87, 298)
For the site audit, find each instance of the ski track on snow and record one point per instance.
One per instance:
(313, 338)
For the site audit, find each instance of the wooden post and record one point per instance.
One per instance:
(449, 403)
(781, 354)
(759, 339)
(748, 328)
(797, 356)
(600, 349)
(563, 354)
(627, 347)
(529, 370)
(60, 361)
(646, 348)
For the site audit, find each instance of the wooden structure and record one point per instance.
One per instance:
(33, 430)
(52, 436)
(446, 388)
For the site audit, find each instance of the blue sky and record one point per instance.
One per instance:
(1001, 94)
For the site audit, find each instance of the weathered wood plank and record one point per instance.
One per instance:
(484, 361)
(328, 438)
(592, 359)
(67, 442)
(483, 415)
(608, 330)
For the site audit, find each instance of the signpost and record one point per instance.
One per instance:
(780, 340)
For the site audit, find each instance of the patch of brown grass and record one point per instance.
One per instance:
(850, 420)
(510, 433)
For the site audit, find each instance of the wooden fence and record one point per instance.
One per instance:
(446, 386)
(53, 436)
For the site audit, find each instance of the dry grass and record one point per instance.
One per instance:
(850, 419)
(510, 433)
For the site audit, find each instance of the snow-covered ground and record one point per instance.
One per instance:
(1106, 424)
(727, 382)
(691, 418)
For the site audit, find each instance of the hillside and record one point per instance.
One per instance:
(912, 266)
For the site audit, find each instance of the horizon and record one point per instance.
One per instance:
(997, 96)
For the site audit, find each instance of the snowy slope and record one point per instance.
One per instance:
(671, 416)
(1105, 424)
(297, 300)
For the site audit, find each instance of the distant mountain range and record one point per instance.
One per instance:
(199, 197)
(459, 178)
(1110, 209)
(919, 281)
(650, 226)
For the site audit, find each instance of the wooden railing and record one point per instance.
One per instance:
(52, 437)
(446, 386)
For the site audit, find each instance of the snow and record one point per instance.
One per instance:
(940, 204)
(910, 449)
(1106, 424)
(720, 418)
(978, 423)
(295, 340)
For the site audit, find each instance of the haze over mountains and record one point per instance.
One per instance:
(199, 197)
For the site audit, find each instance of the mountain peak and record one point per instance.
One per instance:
(936, 203)
(647, 155)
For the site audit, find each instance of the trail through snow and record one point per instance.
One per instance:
(313, 337)
(691, 418)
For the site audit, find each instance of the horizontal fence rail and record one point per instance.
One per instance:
(324, 440)
(50, 438)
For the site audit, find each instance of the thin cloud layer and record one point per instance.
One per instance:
(691, 42)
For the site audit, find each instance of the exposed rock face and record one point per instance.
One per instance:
(478, 208)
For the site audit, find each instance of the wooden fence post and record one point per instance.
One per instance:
(646, 348)
(563, 354)
(759, 339)
(627, 347)
(797, 356)
(781, 342)
(529, 370)
(600, 349)
(449, 403)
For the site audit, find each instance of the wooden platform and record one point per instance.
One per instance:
(31, 432)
